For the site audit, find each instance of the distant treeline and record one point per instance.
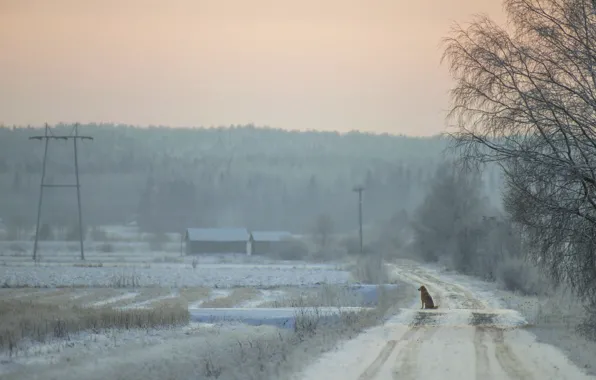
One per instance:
(171, 178)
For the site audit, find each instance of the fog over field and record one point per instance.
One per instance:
(169, 179)
(141, 285)
(459, 246)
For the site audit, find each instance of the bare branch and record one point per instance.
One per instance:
(526, 100)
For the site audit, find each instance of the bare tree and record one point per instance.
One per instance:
(442, 223)
(526, 100)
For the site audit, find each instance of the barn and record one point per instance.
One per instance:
(216, 240)
(265, 242)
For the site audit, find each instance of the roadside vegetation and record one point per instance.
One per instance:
(22, 321)
(523, 102)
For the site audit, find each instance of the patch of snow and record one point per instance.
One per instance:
(215, 294)
(115, 299)
(265, 296)
(79, 295)
(144, 304)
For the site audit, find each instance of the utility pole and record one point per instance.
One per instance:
(48, 135)
(359, 190)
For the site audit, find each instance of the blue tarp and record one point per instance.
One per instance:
(286, 317)
(279, 317)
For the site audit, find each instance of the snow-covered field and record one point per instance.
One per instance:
(170, 276)
(120, 253)
(133, 266)
(479, 331)
(136, 279)
(132, 354)
(197, 350)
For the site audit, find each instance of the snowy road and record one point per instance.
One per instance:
(468, 338)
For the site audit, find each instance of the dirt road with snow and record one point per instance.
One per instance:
(470, 337)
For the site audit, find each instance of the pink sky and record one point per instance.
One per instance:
(310, 64)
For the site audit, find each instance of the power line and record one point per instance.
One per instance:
(49, 135)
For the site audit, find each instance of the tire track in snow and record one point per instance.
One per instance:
(406, 361)
(481, 351)
(419, 326)
(486, 327)
(486, 332)
(506, 358)
(372, 370)
(482, 362)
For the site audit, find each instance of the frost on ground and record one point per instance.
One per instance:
(552, 320)
(58, 253)
(266, 296)
(469, 337)
(111, 300)
(147, 303)
(197, 351)
(174, 276)
(167, 355)
(214, 294)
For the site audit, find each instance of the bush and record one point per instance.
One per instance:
(45, 232)
(328, 254)
(351, 245)
(371, 269)
(106, 247)
(157, 241)
(293, 250)
(73, 233)
(98, 234)
(588, 326)
(518, 275)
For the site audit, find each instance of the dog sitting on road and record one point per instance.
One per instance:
(427, 300)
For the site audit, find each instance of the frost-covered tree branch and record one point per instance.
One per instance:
(525, 98)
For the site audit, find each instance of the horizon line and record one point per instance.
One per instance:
(231, 126)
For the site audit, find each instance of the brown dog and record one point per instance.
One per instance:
(427, 300)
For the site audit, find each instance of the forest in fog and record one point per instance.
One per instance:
(168, 179)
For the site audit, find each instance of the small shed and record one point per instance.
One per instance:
(216, 240)
(265, 242)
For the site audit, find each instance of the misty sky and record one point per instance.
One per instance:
(310, 64)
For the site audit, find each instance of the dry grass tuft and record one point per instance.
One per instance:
(23, 293)
(21, 320)
(144, 295)
(194, 294)
(326, 295)
(88, 265)
(237, 296)
(125, 280)
(370, 270)
(94, 295)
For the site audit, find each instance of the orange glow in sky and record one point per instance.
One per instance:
(311, 64)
